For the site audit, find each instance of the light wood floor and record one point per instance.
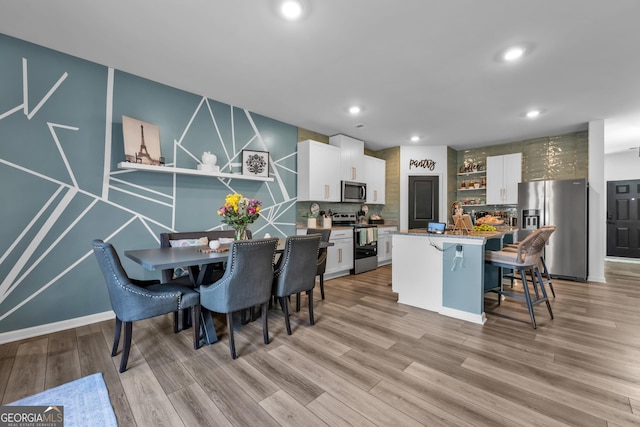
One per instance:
(368, 361)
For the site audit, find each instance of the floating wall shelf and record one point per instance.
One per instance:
(185, 171)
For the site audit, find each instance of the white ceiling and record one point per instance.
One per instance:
(425, 67)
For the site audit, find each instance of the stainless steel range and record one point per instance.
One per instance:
(365, 242)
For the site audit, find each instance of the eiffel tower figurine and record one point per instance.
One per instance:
(143, 149)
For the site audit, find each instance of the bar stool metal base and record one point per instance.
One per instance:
(538, 288)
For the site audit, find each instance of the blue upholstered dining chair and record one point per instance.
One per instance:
(295, 272)
(181, 276)
(133, 300)
(246, 283)
(322, 254)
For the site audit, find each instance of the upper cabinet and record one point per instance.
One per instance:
(503, 175)
(352, 157)
(317, 180)
(374, 176)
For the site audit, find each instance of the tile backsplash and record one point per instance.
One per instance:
(552, 157)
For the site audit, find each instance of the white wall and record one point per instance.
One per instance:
(597, 202)
(437, 154)
(622, 166)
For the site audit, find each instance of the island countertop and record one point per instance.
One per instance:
(499, 233)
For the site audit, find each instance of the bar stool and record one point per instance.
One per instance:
(524, 258)
(545, 231)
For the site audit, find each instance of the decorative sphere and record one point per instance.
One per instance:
(209, 159)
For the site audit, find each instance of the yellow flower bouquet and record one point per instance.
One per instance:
(239, 212)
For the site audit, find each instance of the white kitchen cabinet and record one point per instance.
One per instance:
(340, 256)
(317, 180)
(503, 175)
(385, 244)
(351, 157)
(374, 176)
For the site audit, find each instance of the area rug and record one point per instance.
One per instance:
(86, 402)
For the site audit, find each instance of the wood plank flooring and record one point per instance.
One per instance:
(368, 361)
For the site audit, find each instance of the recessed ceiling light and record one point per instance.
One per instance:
(513, 54)
(354, 110)
(533, 114)
(291, 9)
(415, 138)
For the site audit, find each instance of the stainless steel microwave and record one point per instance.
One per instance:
(355, 192)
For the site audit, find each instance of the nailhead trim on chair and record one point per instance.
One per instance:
(135, 291)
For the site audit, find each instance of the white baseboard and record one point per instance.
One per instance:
(480, 319)
(621, 259)
(49, 328)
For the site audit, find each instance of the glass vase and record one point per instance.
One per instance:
(241, 232)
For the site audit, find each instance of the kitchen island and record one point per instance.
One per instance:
(446, 273)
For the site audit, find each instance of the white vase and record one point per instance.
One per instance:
(208, 158)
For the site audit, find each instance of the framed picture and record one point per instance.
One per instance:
(141, 142)
(255, 163)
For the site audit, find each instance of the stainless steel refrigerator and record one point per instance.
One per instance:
(562, 203)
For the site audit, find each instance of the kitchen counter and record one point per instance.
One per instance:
(446, 273)
(499, 233)
(335, 227)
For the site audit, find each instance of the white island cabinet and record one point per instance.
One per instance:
(503, 175)
(317, 179)
(427, 273)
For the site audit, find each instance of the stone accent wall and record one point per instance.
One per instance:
(452, 176)
(552, 157)
(390, 211)
(304, 134)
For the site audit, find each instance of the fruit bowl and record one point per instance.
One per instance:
(490, 220)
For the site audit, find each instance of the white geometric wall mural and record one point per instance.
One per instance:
(61, 139)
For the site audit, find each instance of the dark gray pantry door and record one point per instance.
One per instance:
(623, 218)
(423, 200)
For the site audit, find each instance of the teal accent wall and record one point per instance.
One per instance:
(60, 124)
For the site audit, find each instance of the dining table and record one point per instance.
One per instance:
(200, 261)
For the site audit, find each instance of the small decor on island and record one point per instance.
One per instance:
(239, 212)
(209, 162)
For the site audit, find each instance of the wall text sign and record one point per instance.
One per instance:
(424, 163)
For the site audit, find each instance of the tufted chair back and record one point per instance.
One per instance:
(296, 272)
(296, 268)
(133, 300)
(246, 283)
(322, 256)
(247, 277)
